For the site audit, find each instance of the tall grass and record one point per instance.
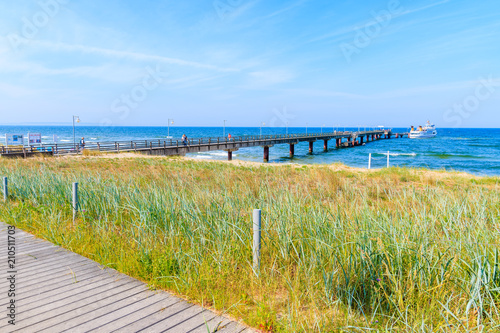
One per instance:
(396, 249)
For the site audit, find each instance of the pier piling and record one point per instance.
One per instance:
(311, 145)
(266, 154)
(292, 150)
(325, 145)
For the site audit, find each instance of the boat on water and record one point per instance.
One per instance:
(428, 131)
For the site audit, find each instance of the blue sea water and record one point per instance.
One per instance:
(476, 151)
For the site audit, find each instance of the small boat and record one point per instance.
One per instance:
(428, 131)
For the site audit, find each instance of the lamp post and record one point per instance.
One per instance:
(322, 128)
(170, 121)
(224, 129)
(286, 128)
(77, 119)
(306, 128)
(262, 124)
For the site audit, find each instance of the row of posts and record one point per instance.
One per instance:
(75, 195)
(370, 160)
(257, 223)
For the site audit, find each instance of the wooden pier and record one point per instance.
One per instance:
(57, 290)
(169, 147)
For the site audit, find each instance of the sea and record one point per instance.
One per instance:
(472, 150)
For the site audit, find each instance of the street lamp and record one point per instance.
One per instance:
(306, 128)
(262, 124)
(322, 128)
(77, 119)
(287, 128)
(170, 121)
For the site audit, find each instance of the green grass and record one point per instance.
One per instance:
(393, 249)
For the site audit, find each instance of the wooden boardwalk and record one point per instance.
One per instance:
(59, 291)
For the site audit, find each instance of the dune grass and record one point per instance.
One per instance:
(392, 250)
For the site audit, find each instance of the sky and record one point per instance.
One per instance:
(297, 62)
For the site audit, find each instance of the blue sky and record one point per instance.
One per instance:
(345, 63)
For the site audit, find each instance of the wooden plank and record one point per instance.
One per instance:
(24, 237)
(53, 289)
(40, 273)
(119, 322)
(71, 289)
(65, 272)
(50, 315)
(167, 314)
(69, 274)
(99, 290)
(123, 310)
(40, 268)
(32, 246)
(217, 323)
(29, 261)
(101, 311)
(191, 323)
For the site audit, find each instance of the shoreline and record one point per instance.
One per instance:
(334, 167)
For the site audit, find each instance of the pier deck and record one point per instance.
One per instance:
(57, 290)
(169, 147)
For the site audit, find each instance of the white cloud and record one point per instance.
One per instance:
(443, 87)
(126, 54)
(361, 25)
(270, 77)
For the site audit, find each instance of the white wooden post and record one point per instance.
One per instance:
(256, 240)
(5, 189)
(370, 161)
(75, 201)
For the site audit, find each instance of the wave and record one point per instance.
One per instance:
(397, 154)
(65, 140)
(216, 153)
(203, 157)
(447, 156)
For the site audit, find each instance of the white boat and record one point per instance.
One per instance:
(428, 131)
